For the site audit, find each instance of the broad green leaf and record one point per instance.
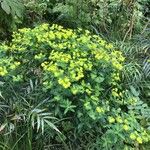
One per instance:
(5, 7)
(134, 92)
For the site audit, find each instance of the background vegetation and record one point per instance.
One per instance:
(74, 74)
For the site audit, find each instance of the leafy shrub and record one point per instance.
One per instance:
(11, 11)
(80, 74)
(35, 11)
(119, 19)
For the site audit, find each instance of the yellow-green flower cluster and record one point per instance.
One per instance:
(119, 119)
(132, 100)
(3, 71)
(67, 58)
(53, 68)
(101, 55)
(17, 78)
(139, 137)
(100, 109)
(115, 76)
(124, 123)
(39, 56)
(117, 59)
(74, 65)
(111, 119)
(116, 93)
(6, 65)
(14, 65)
(65, 82)
(127, 124)
(60, 56)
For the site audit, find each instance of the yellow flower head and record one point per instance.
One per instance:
(99, 109)
(3, 71)
(139, 140)
(126, 127)
(65, 82)
(119, 119)
(111, 120)
(132, 136)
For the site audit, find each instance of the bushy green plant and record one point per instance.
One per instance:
(80, 74)
(119, 19)
(136, 72)
(11, 11)
(24, 118)
(137, 69)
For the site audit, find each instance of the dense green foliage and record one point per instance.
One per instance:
(79, 76)
(120, 19)
(82, 84)
(11, 13)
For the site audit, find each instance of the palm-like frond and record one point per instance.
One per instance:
(146, 67)
(24, 116)
(39, 117)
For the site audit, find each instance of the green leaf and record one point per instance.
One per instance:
(5, 7)
(134, 92)
(52, 125)
(13, 7)
(17, 8)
